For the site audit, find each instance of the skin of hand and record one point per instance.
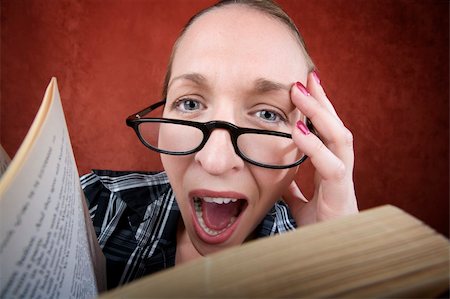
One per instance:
(332, 157)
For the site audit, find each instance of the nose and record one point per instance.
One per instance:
(218, 157)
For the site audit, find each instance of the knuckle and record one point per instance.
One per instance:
(309, 111)
(340, 171)
(319, 146)
(348, 138)
(341, 137)
(311, 108)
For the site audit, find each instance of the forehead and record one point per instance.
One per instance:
(236, 41)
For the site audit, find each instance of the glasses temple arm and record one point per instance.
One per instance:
(147, 110)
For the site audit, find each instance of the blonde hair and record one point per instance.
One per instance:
(266, 6)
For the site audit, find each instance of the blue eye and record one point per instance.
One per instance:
(269, 116)
(188, 105)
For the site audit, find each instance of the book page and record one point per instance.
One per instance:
(4, 160)
(379, 253)
(44, 251)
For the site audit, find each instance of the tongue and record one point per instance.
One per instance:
(218, 216)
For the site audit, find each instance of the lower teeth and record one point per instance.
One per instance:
(209, 231)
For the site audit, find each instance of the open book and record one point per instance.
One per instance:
(48, 248)
(379, 253)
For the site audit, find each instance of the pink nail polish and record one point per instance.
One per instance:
(302, 88)
(316, 77)
(302, 127)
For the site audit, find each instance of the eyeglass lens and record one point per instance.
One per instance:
(261, 148)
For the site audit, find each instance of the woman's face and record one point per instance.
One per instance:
(233, 64)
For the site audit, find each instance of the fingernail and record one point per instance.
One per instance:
(316, 77)
(302, 127)
(302, 88)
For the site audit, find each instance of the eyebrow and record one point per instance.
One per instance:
(261, 85)
(264, 86)
(194, 77)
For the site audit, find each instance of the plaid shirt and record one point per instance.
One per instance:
(135, 217)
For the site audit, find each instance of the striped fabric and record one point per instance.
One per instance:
(135, 217)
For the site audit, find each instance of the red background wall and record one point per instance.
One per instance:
(383, 63)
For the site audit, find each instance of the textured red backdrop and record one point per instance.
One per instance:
(383, 63)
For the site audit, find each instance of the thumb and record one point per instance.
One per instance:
(294, 198)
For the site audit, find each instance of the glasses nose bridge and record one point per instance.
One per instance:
(218, 124)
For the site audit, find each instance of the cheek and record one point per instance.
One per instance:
(175, 169)
(273, 183)
(169, 164)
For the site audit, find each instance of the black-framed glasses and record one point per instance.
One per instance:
(264, 148)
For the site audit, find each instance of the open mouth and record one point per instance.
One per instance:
(217, 217)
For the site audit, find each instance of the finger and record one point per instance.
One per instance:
(336, 195)
(334, 134)
(315, 88)
(319, 115)
(327, 164)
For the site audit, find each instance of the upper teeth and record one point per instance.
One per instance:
(219, 200)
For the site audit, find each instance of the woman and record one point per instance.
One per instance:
(239, 82)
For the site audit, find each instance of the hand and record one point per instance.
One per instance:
(332, 157)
